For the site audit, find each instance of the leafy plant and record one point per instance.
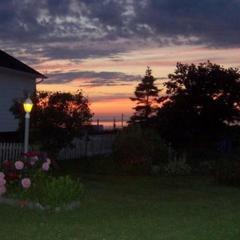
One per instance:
(138, 149)
(57, 191)
(177, 166)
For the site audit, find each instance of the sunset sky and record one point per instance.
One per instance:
(104, 46)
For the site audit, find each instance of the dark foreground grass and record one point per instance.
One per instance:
(135, 208)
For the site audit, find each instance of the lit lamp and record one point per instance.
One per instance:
(27, 107)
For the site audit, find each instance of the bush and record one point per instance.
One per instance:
(137, 149)
(177, 167)
(56, 191)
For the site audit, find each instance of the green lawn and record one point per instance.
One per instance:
(135, 208)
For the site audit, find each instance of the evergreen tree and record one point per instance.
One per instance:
(146, 97)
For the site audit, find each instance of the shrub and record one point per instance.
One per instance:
(137, 149)
(56, 191)
(177, 166)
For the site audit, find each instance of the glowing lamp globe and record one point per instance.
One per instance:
(28, 105)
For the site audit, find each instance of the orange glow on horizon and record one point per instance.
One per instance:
(112, 108)
(109, 101)
(102, 108)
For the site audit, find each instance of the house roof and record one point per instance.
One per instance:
(7, 61)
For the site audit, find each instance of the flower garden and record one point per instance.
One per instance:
(30, 181)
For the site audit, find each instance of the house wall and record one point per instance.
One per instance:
(13, 84)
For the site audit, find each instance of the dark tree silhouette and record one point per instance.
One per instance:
(201, 101)
(146, 96)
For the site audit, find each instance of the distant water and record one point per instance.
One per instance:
(109, 124)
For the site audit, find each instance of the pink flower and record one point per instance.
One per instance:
(26, 183)
(19, 165)
(48, 161)
(2, 182)
(45, 166)
(2, 175)
(2, 190)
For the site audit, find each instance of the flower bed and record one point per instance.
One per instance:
(37, 205)
(29, 181)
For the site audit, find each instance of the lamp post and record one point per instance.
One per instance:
(27, 107)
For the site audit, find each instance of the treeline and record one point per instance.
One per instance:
(196, 113)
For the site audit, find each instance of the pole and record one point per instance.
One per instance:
(26, 134)
(114, 124)
(122, 119)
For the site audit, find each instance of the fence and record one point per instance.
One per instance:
(88, 146)
(81, 147)
(10, 151)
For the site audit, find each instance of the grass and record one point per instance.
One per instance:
(129, 208)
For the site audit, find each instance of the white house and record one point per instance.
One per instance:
(16, 78)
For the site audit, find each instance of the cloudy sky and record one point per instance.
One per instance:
(104, 46)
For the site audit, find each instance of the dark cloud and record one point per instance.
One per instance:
(91, 78)
(212, 22)
(79, 29)
(83, 51)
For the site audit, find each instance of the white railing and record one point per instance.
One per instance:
(81, 147)
(10, 151)
(88, 146)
